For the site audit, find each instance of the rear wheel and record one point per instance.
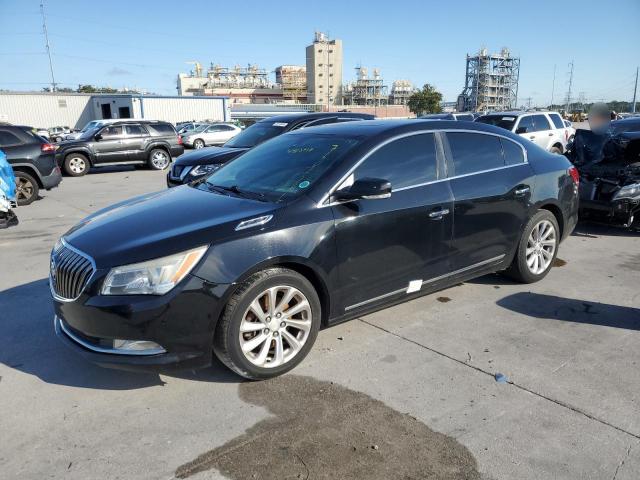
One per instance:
(76, 165)
(556, 150)
(159, 159)
(537, 248)
(27, 188)
(198, 143)
(269, 324)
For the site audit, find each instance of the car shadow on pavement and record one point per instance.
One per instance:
(551, 307)
(595, 230)
(28, 343)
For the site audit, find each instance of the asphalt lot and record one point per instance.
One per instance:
(408, 392)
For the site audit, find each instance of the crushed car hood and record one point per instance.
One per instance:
(208, 155)
(175, 220)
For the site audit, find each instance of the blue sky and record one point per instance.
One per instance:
(145, 44)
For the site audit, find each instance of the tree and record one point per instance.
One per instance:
(426, 100)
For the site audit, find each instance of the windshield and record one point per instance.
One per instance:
(89, 126)
(88, 133)
(285, 166)
(503, 121)
(256, 134)
(198, 129)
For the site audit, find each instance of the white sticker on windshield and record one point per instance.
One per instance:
(280, 124)
(508, 118)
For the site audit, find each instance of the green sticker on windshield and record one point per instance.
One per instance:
(304, 184)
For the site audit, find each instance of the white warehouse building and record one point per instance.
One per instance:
(45, 110)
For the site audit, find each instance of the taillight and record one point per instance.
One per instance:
(575, 175)
(179, 139)
(47, 148)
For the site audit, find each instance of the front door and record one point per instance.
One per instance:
(387, 247)
(110, 146)
(491, 191)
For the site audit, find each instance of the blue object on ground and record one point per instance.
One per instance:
(500, 378)
(7, 179)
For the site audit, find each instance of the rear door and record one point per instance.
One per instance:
(560, 129)
(491, 184)
(111, 146)
(388, 247)
(134, 140)
(214, 135)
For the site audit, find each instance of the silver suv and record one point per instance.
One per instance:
(545, 129)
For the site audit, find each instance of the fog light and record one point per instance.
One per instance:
(142, 346)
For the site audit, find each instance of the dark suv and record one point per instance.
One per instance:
(195, 165)
(32, 159)
(121, 143)
(310, 228)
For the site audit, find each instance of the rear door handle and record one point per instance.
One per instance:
(532, 137)
(521, 191)
(551, 134)
(438, 213)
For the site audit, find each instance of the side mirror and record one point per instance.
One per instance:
(365, 188)
(520, 130)
(97, 137)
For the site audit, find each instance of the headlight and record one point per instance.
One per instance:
(204, 170)
(154, 277)
(631, 191)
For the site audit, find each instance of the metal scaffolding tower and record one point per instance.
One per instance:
(491, 82)
(365, 90)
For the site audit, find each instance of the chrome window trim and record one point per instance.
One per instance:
(82, 254)
(429, 281)
(59, 326)
(326, 196)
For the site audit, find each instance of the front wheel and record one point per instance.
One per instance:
(76, 165)
(269, 324)
(556, 150)
(537, 248)
(159, 159)
(27, 188)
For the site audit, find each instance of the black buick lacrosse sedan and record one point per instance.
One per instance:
(306, 230)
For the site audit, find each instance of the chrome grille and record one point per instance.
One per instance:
(70, 271)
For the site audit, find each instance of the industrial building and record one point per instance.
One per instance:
(324, 70)
(367, 91)
(401, 90)
(77, 109)
(248, 84)
(293, 81)
(491, 82)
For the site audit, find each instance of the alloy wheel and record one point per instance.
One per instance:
(77, 165)
(198, 144)
(24, 189)
(160, 159)
(541, 247)
(275, 327)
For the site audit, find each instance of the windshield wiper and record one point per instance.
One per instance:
(238, 191)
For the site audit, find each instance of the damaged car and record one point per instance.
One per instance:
(609, 166)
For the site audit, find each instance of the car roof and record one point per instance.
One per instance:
(389, 128)
(519, 113)
(295, 118)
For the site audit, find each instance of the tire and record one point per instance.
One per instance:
(198, 143)
(159, 159)
(27, 188)
(58, 139)
(76, 165)
(520, 270)
(556, 150)
(282, 353)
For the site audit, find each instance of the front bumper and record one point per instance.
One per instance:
(619, 212)
(181, 322)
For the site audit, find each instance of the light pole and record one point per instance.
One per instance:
(46, 38)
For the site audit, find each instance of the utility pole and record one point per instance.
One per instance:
(635, 91)
(553, 85)
(46, 38)
(569, 91)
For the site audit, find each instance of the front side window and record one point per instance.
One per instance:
(404, 162)
(526, 125)
(286, 166)
(541, 123)
(111, 132)
(474, 152)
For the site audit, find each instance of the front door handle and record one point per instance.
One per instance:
(439, 213)
(551, 134)
(532, 137)
(522, 191)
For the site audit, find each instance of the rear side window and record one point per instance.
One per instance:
(8, 138)
(513, 154)
(526, 125)
(404, 162)
(134, 130)
(474, 152)
(557, 121)
(161, 129)
(541, 123)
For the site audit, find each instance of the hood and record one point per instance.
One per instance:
(209, 155)
(160, 224)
